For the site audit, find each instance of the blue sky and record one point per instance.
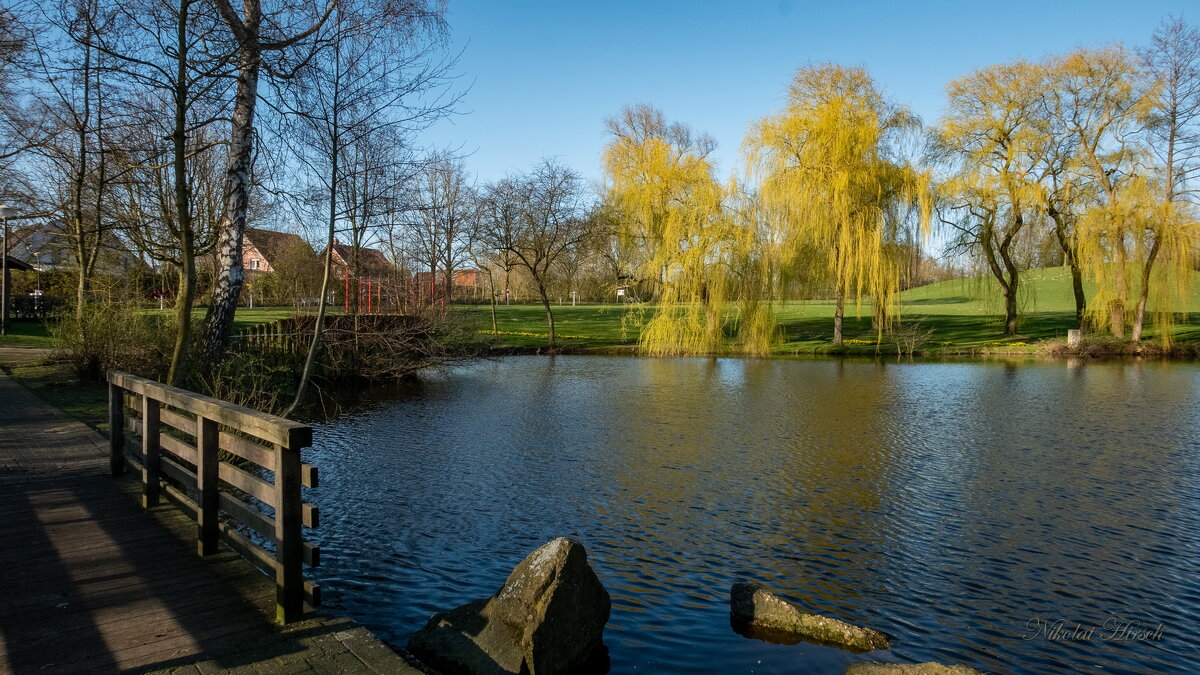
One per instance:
(541, 76)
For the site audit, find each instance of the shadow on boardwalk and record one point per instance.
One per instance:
(93, 583)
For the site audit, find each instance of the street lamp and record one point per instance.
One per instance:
(5, 213)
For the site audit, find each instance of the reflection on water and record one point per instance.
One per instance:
(952, 506)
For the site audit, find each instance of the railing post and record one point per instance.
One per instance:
(150, 464)
(289, 551)
(207, 526)
(116, 430)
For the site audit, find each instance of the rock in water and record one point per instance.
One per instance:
(758, 613)
(869, 668)
(546, 619)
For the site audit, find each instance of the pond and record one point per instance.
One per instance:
(962, 508)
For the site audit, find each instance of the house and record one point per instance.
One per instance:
(262, 247)
(371, 262)
(468, 278)
(373, 288)
(47, 246)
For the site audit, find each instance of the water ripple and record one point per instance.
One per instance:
(953, 506)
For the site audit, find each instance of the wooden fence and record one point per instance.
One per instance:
(204, 455)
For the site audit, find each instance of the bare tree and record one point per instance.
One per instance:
(170, 52)
(441, 235)
(349, 121)
(256, 32)
(77, 150)
(539, 218)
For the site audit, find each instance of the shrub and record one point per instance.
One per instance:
(115, 336)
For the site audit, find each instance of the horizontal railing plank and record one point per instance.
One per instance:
(252, 485)
(180, 473)
(177, 447)
(181, 423)
(248, 450)
(268, 427)
(248, 515)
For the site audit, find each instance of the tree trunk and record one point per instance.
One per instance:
(492, 288)
(1144, 292)
(229, 278)
(1064, 242)
(1080, 298)
(183, 203)
(549, 313)
(838, 314)
(1010, 304)
(183, 312)
(1116, 321)
(322, 303)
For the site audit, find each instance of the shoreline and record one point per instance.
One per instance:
(1037, 351)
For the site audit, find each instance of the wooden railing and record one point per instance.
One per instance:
(236, 471)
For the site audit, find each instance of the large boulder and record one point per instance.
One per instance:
(547, 618)
(871, 668)
(758, 613)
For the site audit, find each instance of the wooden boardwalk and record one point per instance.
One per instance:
(90, 582)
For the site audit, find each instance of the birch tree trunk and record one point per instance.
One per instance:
(227, 286)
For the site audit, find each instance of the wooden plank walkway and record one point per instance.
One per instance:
(90, 582)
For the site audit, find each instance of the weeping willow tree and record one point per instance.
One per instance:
(836, 192)
(1100, 99)
(753, 272)
(992, 139)
(671, 207)
(1172, 61)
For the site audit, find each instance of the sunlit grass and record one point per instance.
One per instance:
(960, 316)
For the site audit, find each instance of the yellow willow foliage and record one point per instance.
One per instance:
(1099, 97)
(753, 274)
(836, 198)
(671, 207)
(994, 134)
(1115, 239)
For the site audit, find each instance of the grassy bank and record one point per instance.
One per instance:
(27, 334)
(948, 318)
(37, 334)
(961, 317)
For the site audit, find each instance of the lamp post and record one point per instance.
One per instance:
(5, 213)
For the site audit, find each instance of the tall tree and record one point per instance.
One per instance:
(992, 138)
(1098, 99)
(834, 185)
(662, 188)
(1172, 61)
(1064, 194)
(442, 233)
(171, 55)
(539, 218)
(79, 144)
(256, 32)
(349, 122)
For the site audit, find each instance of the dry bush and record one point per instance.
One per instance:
(115, 336)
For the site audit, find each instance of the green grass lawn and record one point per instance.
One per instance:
(963, 316)
(36, 333)
(27, 334)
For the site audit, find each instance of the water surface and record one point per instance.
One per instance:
(959, 507)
